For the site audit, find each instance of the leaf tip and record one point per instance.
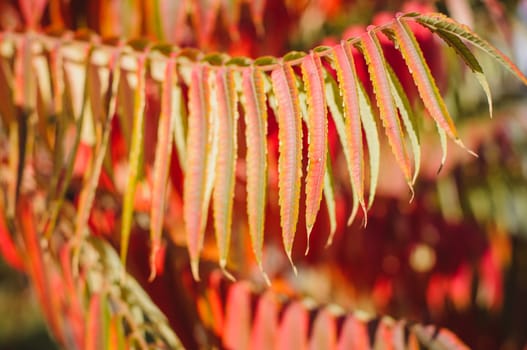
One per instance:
(226, 273)
(194, 266)
(462, 145)
(290, 257)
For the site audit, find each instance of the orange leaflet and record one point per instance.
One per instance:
(317, 126)
(223, 194)
(347, 78)
(422, 76)
(255, 113)
(290, 152)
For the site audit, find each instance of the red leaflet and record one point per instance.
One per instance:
(8, 249)
(237, 329)
(348, 83)
(354, 335)
(290, 152)
(317, 136)
(293, 328)
(423, 79)
(161, 164)
(378, 76)
(324, 333)
(265, 323)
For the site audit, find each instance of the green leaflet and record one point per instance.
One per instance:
(335, 106)
(423, 79)
(470, 60)
(444, 146)
(329, 196)
(165, 133)
(317, 127)
(376, 67)
(406, 113)
(290, 152)
(255, 113)
(135, 156)
(347, 78)
(195, 199)
(441, 23)
(225, 168)
(372, 138)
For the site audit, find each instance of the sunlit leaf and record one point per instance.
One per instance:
(423, 79)
(255, 114)
(376, 67)
(196, 203)
(439, 22)
(347, 78)
(317, 127)
(227, 118)
(290, 152)
(406, 113)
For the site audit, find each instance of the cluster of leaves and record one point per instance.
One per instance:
(81, 109)
(86, 304)
(240, 318)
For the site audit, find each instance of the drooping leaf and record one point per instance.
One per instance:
(165, 133)
(58, 190)
(347, 78)
(135, 155)
(196, 203)
(441, 23)
(180, 115)
(426, 86)
(329, 197)
(87, 195)
(406, 113)
(317, 127)
(336, 108)
(444, 145)
(376, 67)
(290, 152)
(255, 113)
(372, 139)
(227, 119)
(470, 60)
